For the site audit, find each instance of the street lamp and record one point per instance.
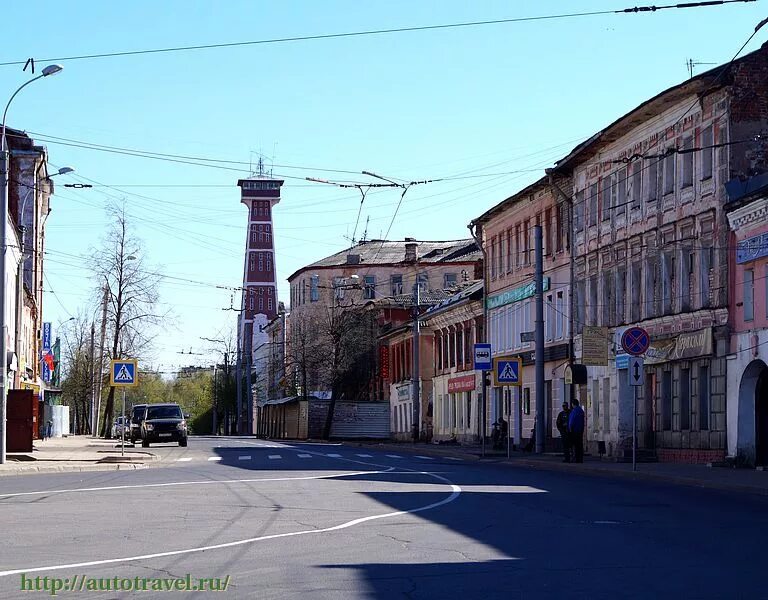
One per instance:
(49, 70)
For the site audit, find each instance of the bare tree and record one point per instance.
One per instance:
(77, 380)
(131, 298)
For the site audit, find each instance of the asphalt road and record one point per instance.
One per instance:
(331, 521)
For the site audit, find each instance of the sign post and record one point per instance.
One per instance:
(635, 341)
(123, 373)
(507, 370)
(482, 362)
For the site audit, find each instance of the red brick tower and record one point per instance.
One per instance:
(259, 306)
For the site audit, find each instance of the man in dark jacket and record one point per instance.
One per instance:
(576, 431)
(562, 427)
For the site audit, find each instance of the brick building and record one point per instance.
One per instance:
(651, 249)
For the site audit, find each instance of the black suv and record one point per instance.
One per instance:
(163, 423)
(137, 416)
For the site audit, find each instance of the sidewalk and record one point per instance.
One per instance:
(703, 476)
(74, 453)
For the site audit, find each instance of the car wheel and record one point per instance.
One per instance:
(183, 442)
(144, 444)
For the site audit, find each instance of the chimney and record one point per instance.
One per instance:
(411, 250)
(353, 259)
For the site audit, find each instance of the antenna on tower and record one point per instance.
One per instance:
(261, 166)
(364, 237)
(690, 63)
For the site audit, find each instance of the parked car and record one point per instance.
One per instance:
(119, 426)
(164, 423)
(137, 416)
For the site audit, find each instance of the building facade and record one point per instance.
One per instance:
(748, 320)
(650, 249)
(507, 231)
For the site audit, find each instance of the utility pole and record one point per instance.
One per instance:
(214, 416)
(539, 333)
(99, 379)
(93, 376)
(416, 378)
(484, 374)
(239, 376)
(248, 385)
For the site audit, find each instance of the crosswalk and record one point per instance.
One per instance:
(305, 456)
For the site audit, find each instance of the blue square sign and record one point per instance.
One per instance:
(123, 373)
(482, 357)
(507, 370)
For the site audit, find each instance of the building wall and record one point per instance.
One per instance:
(650, 250)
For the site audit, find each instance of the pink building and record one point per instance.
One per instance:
(507, 234)
(747, 370)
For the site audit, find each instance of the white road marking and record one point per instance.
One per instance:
(364, 455)
(304, 455)
(393, 456)
(333, 455)
(453, 458)
(274, 456)
(455, 492)
(183, 459)
(425, 457)
(214, 458)
(244, 457)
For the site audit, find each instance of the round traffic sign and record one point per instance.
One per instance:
(635, 341)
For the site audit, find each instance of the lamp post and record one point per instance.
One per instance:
(49, 70)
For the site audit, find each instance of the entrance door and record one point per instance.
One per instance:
(649, 412)
(761, 417)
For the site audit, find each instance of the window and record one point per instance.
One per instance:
(449, 280)
(580, 308)
(314, 288)
(605, 197)
(269, 303)
(621, 183)
(687, 159)
(261, 303)
(563, 231)
(493, 258)
(666, 400)
(547, 233)
(261, 261)
(608, 299)
(269, 262)
(636, 183)
(251, 262)
(636, 286)
(592, 305)
(593, 204)
(706, 153)
(649, 305)
(685, 399)
(749, 295)
(703, 398)
(517, 245)
(549, 320)
(652, 181)
(667, 282)
(705, 268)
(338, 291)
(369, 287)
(526, 242)
(578, 211)
(422, 280)
(527, 401)
(253, 234)
(396, 284)
(268, 233)
(559, 315)
(303, 291)
(620, 295)
(687, 261)
(509, 251)
(459, 345)
(500, 256)
(669, 174)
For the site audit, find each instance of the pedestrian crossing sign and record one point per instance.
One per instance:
(123, 373)
(507, 370)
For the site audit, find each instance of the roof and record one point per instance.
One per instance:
(516, 197)
(391, 252)
(474, 288)
(703, 83)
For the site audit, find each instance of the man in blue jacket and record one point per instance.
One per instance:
(576, 431)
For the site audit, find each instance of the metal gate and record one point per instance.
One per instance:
(355, 420)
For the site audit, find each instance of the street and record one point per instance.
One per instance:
(334, 521)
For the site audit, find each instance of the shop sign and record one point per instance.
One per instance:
(752, 248)
(404, 393)
(466, 383)
(685, 346)
(515, 294)
(384, 362)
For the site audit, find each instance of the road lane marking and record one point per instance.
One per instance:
(455, 492)
(214, 458)
(425, 457)
(453, 458)
(393, 456)
(183, 459)
(274, 456)
(333, 455)
(304, 455)
(244, 457)
(364, 455)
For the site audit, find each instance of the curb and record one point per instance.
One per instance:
(583, 469)
(36, 470)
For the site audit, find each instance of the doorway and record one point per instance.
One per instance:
(761, 417)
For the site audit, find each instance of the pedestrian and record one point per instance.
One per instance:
(49, 429)
(576, 431)
(562, 427)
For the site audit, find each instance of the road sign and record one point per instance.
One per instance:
(47, 335)
(527, 336)
(635, 341)
(507, 370)
(124, 373)
(482, 357)
(636, 374)
(594, 346)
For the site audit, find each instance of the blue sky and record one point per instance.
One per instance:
(448, 103)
